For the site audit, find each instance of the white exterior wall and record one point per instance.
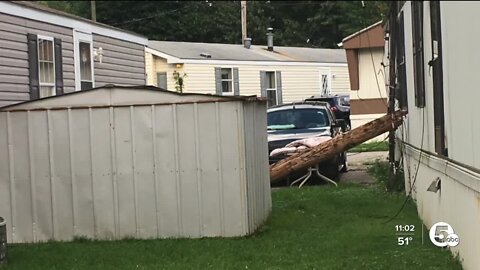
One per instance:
(367, 70)
(461, 80)
(457, 202)
(298, 82)
(368, 87)
(361, 119)
(460, 86)
(162, 66)
(150, 69)
(142, 171)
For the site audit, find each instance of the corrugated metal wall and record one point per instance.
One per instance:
(178, 170)
(257, 167)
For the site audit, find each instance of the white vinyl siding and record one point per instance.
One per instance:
(457, 202)
(298, 82)
(159, 65)
(150, 69)
(368, 87)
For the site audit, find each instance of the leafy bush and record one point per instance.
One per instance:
(381, 171)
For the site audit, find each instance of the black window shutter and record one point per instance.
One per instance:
(236, 83)
(401, 91)
(263, 83)
(418, 68)
(279, 87)
(58, 66)
(218, 81)
(33, 65)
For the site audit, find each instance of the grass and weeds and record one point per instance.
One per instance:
(381, 171)
(318, 227)
(370, 147)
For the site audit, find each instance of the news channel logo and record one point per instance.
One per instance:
(442, 235)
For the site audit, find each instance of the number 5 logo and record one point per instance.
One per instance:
(442, 234)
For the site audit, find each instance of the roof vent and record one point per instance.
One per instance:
(247, 43)
(270, 39)
(206, 55)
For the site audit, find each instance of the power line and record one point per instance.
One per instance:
(374, 68)
(147, 18)
(416, 171)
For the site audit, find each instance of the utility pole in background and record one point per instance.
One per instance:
(93, 9)
(244, 20)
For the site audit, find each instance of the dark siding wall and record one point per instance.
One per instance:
(123, 62)
(14, 58)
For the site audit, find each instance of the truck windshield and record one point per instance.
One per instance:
(297, 119)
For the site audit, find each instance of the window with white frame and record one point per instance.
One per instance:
(324, 83)
(86, 76)
(227, 81)
(84, 68)
(46, 66)
(271, 88)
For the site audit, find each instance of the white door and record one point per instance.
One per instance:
(325, 82)
(84, 69)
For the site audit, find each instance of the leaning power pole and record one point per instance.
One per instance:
(392, 40)
(244, 20)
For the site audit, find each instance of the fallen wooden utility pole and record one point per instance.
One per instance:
(328, 149)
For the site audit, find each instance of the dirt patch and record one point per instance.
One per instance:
(357, 176)
(358, 164)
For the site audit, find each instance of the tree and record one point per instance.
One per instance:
(295, 23)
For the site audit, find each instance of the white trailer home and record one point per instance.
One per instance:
(437, 80)
(116, 162)
(280, 74)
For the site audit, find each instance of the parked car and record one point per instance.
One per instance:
(296, 121)
(339, 104)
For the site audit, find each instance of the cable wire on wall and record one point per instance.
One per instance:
(409, 196)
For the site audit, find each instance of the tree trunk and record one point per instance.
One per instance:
(329, 149)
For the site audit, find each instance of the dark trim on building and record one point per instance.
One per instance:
(353, 72)
(368, 106)
(368, 38)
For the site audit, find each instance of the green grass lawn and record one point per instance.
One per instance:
(319, 227)
(370, 147)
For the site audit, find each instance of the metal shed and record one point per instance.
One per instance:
(116, 162)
